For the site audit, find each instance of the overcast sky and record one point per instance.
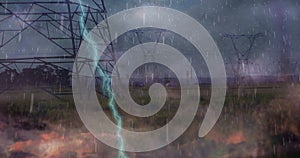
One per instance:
(240, 17)
(221, 17)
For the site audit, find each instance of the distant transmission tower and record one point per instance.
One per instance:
(139, 37)
(242, 56)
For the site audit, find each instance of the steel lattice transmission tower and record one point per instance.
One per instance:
(242, 56)
(56, 31)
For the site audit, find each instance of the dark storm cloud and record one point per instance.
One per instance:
(239, 17)
(226, 17)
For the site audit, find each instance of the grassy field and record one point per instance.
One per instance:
(256, 121)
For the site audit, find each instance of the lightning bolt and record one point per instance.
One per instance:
(106, 85)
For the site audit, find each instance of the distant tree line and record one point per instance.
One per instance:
(40, 75)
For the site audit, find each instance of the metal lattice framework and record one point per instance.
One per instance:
(242, 55)
(58, 23)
